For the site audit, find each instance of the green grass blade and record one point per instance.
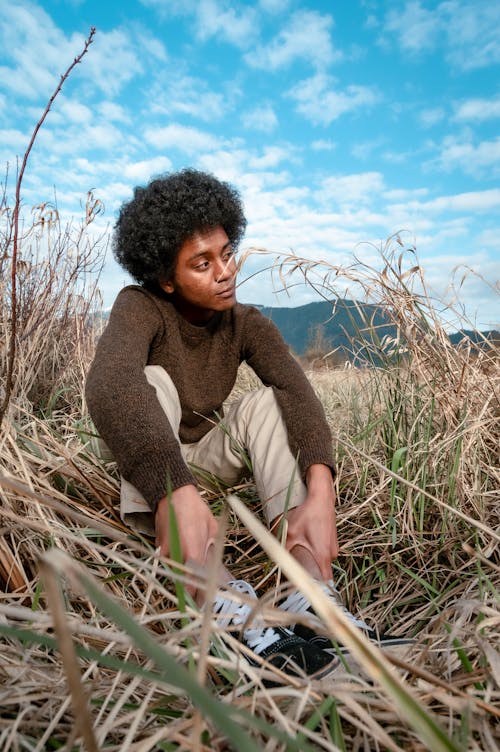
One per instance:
(225, 717)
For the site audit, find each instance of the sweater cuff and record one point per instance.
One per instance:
(155, 477)
(315, 453)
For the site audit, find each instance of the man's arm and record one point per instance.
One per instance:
(124, 406)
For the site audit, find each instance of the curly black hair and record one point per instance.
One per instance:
(152, 227)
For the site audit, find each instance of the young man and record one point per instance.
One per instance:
(164, 366)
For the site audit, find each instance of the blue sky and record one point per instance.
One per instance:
(340, 122)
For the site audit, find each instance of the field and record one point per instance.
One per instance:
(101, 648)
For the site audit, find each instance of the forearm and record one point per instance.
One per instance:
(319, 482)
(197, 529)
(195, 523)
(312, 529)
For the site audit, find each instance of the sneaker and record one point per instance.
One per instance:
(279, 646)
(297, 603)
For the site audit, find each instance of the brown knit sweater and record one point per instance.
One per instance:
(145, 329)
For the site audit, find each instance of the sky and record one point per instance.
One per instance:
(341, 124)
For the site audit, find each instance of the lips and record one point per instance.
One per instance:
(227, 293)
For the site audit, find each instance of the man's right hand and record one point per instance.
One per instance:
(195, 522)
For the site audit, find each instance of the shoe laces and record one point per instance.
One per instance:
(298, 603)
(257, 636)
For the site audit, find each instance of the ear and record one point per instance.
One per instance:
(167, 286)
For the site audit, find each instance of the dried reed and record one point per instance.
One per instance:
(416, 435)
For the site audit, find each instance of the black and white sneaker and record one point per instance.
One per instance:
(297, 604)
(277, 645)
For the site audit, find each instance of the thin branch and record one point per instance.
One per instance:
(15, 221)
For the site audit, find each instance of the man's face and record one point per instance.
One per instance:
(204, 276)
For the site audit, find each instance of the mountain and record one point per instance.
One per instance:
(330, 326)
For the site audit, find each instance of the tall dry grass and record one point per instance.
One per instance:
(101, 650)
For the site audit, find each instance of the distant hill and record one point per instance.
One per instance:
(337, 325)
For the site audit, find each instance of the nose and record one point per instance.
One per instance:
(224, 269)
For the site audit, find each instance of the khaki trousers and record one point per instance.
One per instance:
(252, 429)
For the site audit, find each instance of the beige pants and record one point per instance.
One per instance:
(252, 429)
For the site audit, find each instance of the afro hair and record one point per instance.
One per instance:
(152, 227)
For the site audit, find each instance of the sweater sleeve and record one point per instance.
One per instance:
(124, 406)
(268, 355)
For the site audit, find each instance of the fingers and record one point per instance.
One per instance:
(315, 532)
(195, 523)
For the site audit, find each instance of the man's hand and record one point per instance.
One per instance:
(312, 525)
(195, 522)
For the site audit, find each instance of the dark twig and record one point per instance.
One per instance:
(15, 221)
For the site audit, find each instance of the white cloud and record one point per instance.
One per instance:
(274, 6)
(142, 172)
(182, 137)
(176, 93)
(262, 118)
(415, 27)
(89, 167)
(226, 164)
(14, 139)
(37, 48)
(113, 112)
(68, 139)
(226, 21)
(489, 238)
(306, 37)
(114, 193)
(322, 144)
(473, 32)
(471, 201)
(371, 22)
(478, 109)
(468, 32)
(249, 170)
(475, 160)
(351, 189)
(405, 194)
(152, 46)
(270, 157)
(40, 52)
(396, 157)
(431, 117)
(320, 103)
(364, 150)
(112, 61)
(464, 282)
(74, 111)
(82, 174)
(101, 136)
(215, 18)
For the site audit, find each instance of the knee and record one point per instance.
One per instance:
(262, 399)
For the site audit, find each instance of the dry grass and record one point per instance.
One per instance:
(417, 446)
